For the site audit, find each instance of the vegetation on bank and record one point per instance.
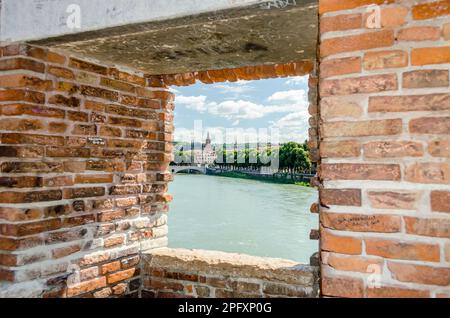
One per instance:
(266, 178)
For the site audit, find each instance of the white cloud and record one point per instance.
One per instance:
(299, 80)
(234, 89)
(197, 103)
(296, 95)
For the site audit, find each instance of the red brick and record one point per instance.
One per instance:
(420, 33)
(349, 171)
(439, 148)
(25, 81)
(361, 264)
(87, 286)
(122, 275)
(385, 59)
(66, 251)
(57, 127)
(30, 197)
(342, 66)
(420, 274)
(334, 107)
(340, 244)
(396, 292)
(25, 229)
(22, 95)
(341, 22)
(359, 85)
(340, 149)
(425, 78)
(99, 92)
(12, 138)
(110, 267)
(361, 222)
(21, 124)
(393, 149)
(127, 77)
(430, 10)
(20, 182)
(338, 5)
(430, 125)
(111, 215)
(61, 72)
(403, 250)
(362, 128)
(113, 241)
(117, 85)
(94, 178)
(84, 192)
(393, 200)
(440, 201)
(432, 55)
(430, 102)
(86, 66)
(21, 63)
(347, 287)
(427, 227)
(349, 197)
(428, 173)
(64, 101)
(351, 43)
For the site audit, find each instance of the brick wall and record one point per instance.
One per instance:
(83, 157)
(178, 273)
(385, 148)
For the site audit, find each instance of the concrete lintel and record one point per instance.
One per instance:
(27, 20)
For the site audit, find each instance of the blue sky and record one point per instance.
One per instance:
(279, 103)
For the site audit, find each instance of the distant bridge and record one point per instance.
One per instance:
(177, 169)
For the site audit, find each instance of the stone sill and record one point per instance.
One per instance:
(230, 264)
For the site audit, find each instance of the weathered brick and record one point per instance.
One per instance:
(348, 197)
(431, 55)
(66, 251)
(348, 287)
(21, 124)
(127, 77)
(348, 65)
(362, 128)
(409, 103)
(430, 125)
(61, 72)
(428, 173)
(333, 107)
(20, 182)
(439, 148)
(74, 193)
(122, 275)
(32, 110)
(349, 171)
(361, 264)
(341, 22)
(361, 222)
(430, 10)
(111, 215)
(99, 92)
(403, 250)
(25, 229)
(94, 178)
(86, 286)
(440, 201)
(359, 85)
(117, 85)
(64, 101)
(113, 241)
(351, 43)
(420, 33)
(385, 59)
(403, 200)
(425, 78)
(21, 63)
(86, 66)
(393, 149)
(420, 274)
(340, 244)
(57, 127)
(61, 152)
(427, 227)
(22, 95)
(25, 81)
(396, 292)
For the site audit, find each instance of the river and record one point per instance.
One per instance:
(242, 216)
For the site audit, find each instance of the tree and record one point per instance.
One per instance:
(294, 158)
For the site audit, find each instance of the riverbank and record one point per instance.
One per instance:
(265, 178)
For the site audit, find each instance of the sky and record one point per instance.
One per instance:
(277, 105)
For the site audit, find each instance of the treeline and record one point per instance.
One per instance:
(290, 157)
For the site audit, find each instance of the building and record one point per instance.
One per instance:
(207, 155)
